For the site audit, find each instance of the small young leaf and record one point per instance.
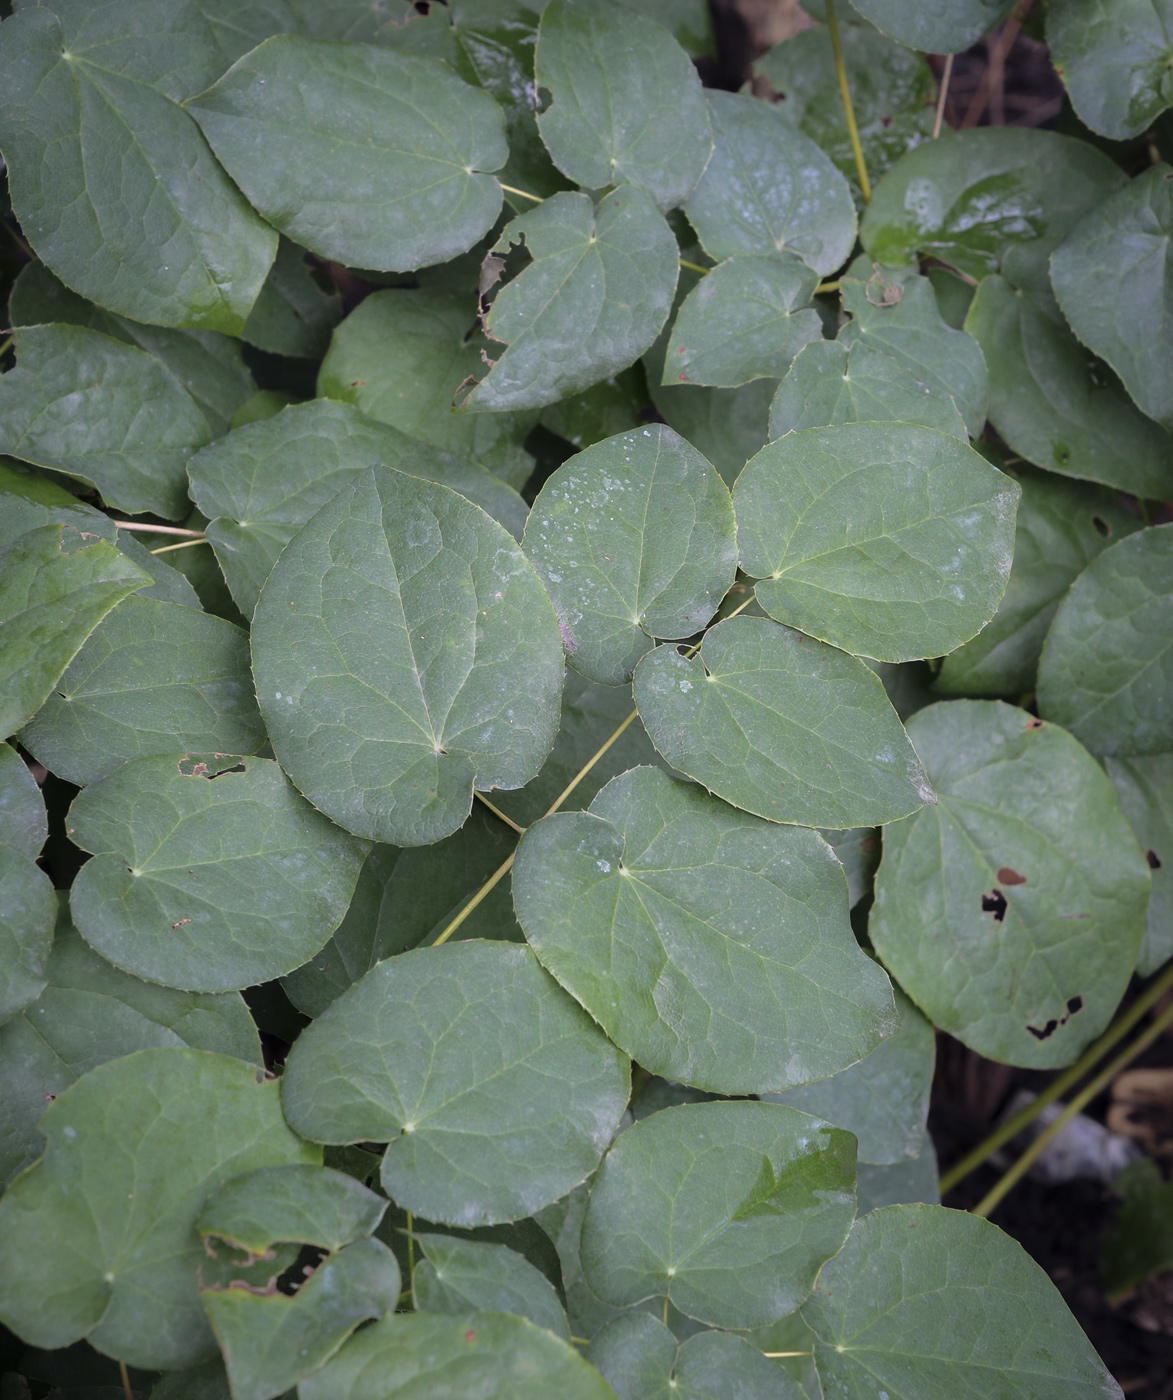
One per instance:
(1107, 662)
(938, 26)
(497, 1092)
(23, 823)
(363, 155)
(209, 873)
(888, 540)
(1012, 912)
(1114, 60)
(1144, 788)
(386, 646)
(707, 943)
(781, 725)
(457, 1275)
(727, 1209)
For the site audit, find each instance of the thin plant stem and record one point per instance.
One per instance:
(497, 812)
(183, 544)
(487, 888)
(158, 529)
(590, 763)
(1086, 1062)
(665, 1310)
(125, 1374)
(411, 1256)
(525, 194)
(774, 1354)
(943, 95)
(6, 345)
(844, 87)
(827, 287)
(581, 1341)
(1011, 1178)
(694, 267)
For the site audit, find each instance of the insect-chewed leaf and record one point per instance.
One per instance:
(1012, 912)
(1106, 672)
(781, 725)
(387, 647)
(593, 299)
(360, 154)
(88, 1258)
(23, 823)
(634, 539)
(260, 485)
(1114, 59)
(456, 1275)
(1144, 788)
(626, 104)
(1111, 274)
(417, 1354)
(886, 539)
(298, 1203)
(209, 873)
(940, 26)
(712, 946)
(768, 188)
(726, 1209)
(925, 1302)
(497, 1092)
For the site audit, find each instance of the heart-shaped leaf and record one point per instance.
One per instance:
(1115, 61)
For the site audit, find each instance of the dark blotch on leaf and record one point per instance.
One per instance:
(1153, 859)
(1007, 876)
(1074, 1005)
(995, 903)
(1101, 526)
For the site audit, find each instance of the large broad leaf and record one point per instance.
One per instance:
(992, 199)
(768, 188)
(1061, 527)
(626, 105)
(387, 645)
(708, 944)
(498, 1094)
(1012, 912)
(1114, 60)
(452, 1358)
(261, 484)
(1144, 787)
(1112, 276)
(28, 909)
(209, 873)
(89, 1258)
(884, 1099)
(363, 155)
(457, 1275)
(112, 182)
(925, 1302)
(153, 678)
(888, 540)
(634, 539)
(934, 26)
(103, 411)
(57, 583)
(642, 1360)
(400, 357)
(594, 298)
(89, 1013)
(1107, 664)
(726, 1209)
(744, 321)
(781, 725)
(1057, 405)
(23, 823)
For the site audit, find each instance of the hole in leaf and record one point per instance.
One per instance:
(1101, 526)
(1007, 876)
(1034, 722)
(1074, 1006)
(994, 903)
(208, 766)
(1153, 859)
(307, 1261)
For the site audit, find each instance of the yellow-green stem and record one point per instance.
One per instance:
(183, 544)
(525, 194)
(827, 287)
(694, 267)
(487, 888)
(126, 1390)
(411, 1256)
(942, 95)
(497, 812)
(844, 87)
(158, 529)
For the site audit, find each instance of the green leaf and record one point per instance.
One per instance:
(112, 182)
(263, 482)
(1061, 527)
(208, 1381)
(769, 188)
(743, 321)
(626, 104)
(1012, 912)
(925, 1302)
(1106, 665)
(322, 172)
(457, 1275)
(152, 678)
(938, 26)
(690, 22)
(726, 426)
(991, 199)
(299, 1203)
(292, 314)
(642, 1360)
(727, 1209)
(498, 1094)
(1141, 1242)
(1058, 406)
(57, 583)
(386, 677)
(911, 1182)
(23, 823)
(210, 873)
(104, 412)
(633, 539)
(446, 1358)
(1144, 788)
(594, 298)
(781, 725)
(884, 1099)
(858, 850)
(400, 357)
(87, 1257)
(1112, 274)
(641, 909)
(613, 405)
(888, 540)
(1114, 60)
(28, 908)
(90, 1013)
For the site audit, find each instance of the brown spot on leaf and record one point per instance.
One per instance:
(181, 923)
(1006, 876)
(1153, 859)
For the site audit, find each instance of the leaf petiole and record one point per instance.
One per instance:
(845, 88)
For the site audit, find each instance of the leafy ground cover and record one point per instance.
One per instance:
(562, 627)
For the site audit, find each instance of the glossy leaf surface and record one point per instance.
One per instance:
(1114, 59)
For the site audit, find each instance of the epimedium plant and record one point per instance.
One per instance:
(554, 826)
